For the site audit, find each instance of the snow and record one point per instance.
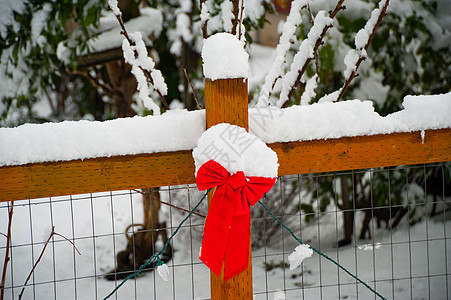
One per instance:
(309, 92)
(322, 20)
(279, 295)
(300, 253)
(38, 23)
(9, 7)
(294, 19)
(304, 53)
(136, 56)
(350, 61)
(114, 7)
(149, 24)
(236, 150)
(69, 140)
(362, 36)
(348, 118)
(224, 56)
(369, 247)
(258, 64)
(227, 16)
(183, 24)
(180, 130)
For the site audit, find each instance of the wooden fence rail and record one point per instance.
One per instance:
(172, 168)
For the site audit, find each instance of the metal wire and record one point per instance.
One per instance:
(425, 238)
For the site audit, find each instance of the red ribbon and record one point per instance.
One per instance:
(227, 228)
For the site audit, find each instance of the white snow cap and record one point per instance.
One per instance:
(236, 150)
(224, 57)
(300, 253)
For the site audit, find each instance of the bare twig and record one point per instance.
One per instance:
(241, 19)
(106, 89)
(318, 43)
(36, 263)
(235, 11)
(5, 263)
(204, 24)
(192, 88)
(146, 72)
(1, 233)
(174, 206)
(60, 235)
(40, 256)
(361, 57)
(316, 52)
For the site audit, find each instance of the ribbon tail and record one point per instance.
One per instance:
(237, 251)
(217, 229)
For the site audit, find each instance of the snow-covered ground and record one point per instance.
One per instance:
(106, 215)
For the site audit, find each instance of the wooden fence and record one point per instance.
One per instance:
(226, 101)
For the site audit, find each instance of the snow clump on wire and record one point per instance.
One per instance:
(300, 253)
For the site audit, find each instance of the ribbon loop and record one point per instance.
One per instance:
(227, 228)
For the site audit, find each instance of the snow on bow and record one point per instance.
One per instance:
(229, 158)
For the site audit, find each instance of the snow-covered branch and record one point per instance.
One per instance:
(304, 55)
(294, 19)
(362, 41)
(143, 66)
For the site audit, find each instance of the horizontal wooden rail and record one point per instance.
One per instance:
(173, 168)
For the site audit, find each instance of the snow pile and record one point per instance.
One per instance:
(424, 112)
(70, 140)
(348, 118)
(236, 150)
(224, 56)
(300, 253)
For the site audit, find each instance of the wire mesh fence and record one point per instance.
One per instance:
(389, 226)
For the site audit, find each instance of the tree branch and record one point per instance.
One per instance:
(361, 57)
(192, 88)
(40, 256)
(318, 43)
(5, 262)
(106, 89)
(146, 72)
(174, 206)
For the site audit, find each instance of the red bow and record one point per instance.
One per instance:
(226, 232)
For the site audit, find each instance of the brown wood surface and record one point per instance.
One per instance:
(172, 168)
(96, 175)
(363, 152)
(226, 102)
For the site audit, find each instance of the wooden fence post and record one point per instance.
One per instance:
(226, 102)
